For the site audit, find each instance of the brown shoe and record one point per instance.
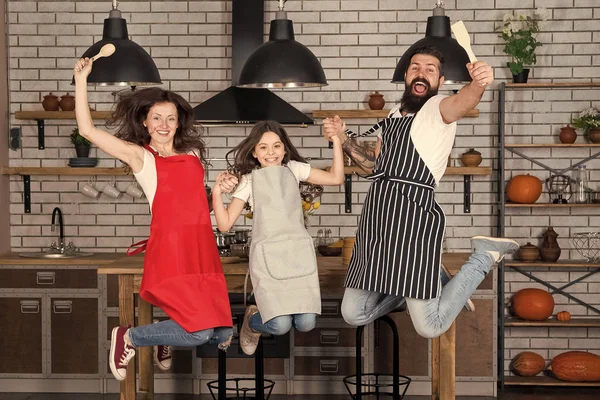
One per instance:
(248, 337)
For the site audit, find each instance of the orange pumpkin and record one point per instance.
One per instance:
(532, 304)
(576, 366)
(527, 363)
(524, 189)
(563, 316)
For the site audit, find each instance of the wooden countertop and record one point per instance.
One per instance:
(97, 259)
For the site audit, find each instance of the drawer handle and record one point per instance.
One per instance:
(30, 306)
(330, 337)
(329, 366)
(330, 308)
(46, 278)
(62, 306)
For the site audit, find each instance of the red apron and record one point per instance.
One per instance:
(182, 268)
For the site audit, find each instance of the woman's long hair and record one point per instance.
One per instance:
(132, 110)
(243, 160)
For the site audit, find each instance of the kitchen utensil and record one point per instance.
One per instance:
(588, 245)
(462, 37)
(106, 51)
(240, 250)
(224, 239)
(241, 235)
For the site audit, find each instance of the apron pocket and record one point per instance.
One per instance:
(289, 259)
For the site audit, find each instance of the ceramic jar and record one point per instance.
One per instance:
(471, 158)
(50, 102)
(594, 135)
(376, 101)
(67, 102)
(528, 253)
(550, 250)
(567, 135)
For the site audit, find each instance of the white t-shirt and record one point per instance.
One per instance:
(243, 191)
(148, 177)
(432, 137)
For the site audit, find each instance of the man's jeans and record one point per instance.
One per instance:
(430, 317)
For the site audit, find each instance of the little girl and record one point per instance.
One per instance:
(283, 265)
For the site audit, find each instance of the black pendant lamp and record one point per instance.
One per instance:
(282, 62)
(130, 65)
(438, 35)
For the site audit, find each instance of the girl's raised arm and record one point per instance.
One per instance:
(335, 176)
(129, 153)
(225, 217)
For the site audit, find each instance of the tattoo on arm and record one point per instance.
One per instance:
(362, 157)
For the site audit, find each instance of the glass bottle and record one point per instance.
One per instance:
(581, 185)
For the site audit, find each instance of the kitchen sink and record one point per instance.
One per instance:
(56, 255)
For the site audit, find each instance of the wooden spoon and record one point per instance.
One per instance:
(462, 37)
(106, 51)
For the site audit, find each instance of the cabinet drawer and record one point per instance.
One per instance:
(48, 279)
(243, 366)
(331, 308)
(325, 365)
(327, 337)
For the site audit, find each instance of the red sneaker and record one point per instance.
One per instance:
(162, 357)
(120, 353)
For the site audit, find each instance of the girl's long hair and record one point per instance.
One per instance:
(243, 160)
(132, 110)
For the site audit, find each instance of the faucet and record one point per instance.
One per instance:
(61, 244)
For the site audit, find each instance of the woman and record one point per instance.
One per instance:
(183, 275)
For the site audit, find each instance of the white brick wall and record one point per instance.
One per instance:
(358, 43)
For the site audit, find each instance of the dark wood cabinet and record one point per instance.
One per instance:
(74, 335)
(21, 335)
(48, 279)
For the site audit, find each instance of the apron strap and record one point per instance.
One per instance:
(142, 247)
(382, 175)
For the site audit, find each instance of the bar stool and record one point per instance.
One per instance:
(397, 379)
(260, 383)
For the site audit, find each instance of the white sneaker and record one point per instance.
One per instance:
(248, 337)
(496, 247)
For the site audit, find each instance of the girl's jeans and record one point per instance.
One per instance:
(170, 333)
(282, 324)
(430, 317)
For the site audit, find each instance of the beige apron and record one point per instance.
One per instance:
(283, 265)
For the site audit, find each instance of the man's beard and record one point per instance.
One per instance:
(411, 103)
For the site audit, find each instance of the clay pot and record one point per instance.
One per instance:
(567, 135)
(550, 250)
(50, 102)
(528, 253)
(471, 158)
(376, 101)
(67, 102)
(594, 135)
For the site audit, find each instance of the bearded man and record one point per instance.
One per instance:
(397, 252)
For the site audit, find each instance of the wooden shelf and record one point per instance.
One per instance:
(557, 264)
(449, 170)
(539, 145)
(553, 85)
(61, 171)
(40, 115)
(554, 323)
(552, 205)
(368, 113)
(543, 381)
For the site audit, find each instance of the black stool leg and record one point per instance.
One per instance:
(396, 359)
(259, 370)
(222, 374)
(359, 335)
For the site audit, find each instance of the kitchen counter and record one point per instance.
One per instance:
(97, 259)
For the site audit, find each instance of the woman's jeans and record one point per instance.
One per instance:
(430, 317)
(170, 333)
(282, 324)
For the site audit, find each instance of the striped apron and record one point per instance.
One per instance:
(398, 245)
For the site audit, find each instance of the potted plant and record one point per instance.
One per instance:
(82, 145)
(519, 34)
(589, 122)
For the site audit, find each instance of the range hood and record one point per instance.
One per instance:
(237, 105)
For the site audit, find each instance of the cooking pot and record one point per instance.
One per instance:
(224, 239)
(242, 235)
(240, 250)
